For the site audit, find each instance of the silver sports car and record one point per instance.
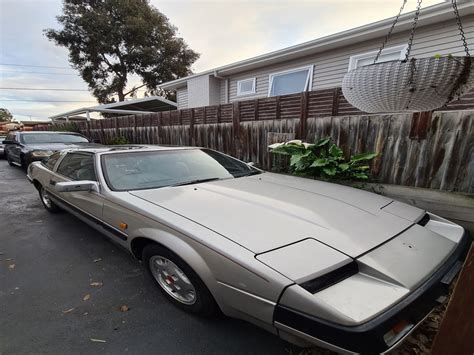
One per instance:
(313, 262)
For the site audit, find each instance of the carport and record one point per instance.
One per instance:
(148, 104)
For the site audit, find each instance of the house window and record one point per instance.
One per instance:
(387, 55)
(290, 81)
(246, 87)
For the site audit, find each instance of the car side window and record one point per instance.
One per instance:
(77, 166)
(51, 161)
(11, 137)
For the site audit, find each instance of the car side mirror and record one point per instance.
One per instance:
(252, 164)
(73, 186)
(96, 141)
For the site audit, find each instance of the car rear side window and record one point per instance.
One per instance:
(78, 166)
(51, 161)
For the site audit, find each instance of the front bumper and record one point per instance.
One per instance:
(368, 338)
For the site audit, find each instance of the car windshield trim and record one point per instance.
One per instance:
(105, 173)
(50, 138)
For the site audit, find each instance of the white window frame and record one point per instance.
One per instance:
(354, 59)
(243, 93)
(309, 78)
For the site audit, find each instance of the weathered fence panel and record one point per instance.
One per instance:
(443, 160)
(433, 150)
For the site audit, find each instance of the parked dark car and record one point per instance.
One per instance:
(22, 148)
(2, 138)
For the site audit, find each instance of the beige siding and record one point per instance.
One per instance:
(182, 97)
(198, 91)
(214, 91)
(330, 66)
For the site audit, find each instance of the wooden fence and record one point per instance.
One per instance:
(433, 150)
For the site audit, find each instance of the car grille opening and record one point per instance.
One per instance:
(331, 278)
(424, 220)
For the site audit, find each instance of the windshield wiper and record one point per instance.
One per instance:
(197, 181)
(255, 172)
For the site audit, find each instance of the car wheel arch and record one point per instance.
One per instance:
(184, 250)
(36, 184)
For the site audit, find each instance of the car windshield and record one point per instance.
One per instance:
(148, 170)
(40, 138)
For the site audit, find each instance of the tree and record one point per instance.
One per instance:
(5, 115)
(109, 40)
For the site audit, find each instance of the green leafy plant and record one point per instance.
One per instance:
(323, 159)
(117, 141)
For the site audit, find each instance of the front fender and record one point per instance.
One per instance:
(184, 249)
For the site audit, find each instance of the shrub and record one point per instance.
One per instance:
(117, 141)
(323, 159)
(66, 127)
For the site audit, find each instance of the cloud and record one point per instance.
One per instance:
(222, 31)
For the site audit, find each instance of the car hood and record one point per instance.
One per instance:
(60, 146)
(267, 211)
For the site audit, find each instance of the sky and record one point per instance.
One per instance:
(222, 31)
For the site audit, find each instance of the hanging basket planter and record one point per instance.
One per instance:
(412, 84)
(421, 84)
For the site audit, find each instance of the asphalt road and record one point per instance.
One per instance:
(47, 263)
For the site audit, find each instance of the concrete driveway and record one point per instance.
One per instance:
(48, 305)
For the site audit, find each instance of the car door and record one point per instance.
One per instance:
(13, 148)
(79, 166)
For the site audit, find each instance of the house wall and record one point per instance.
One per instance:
(198, 91)
(182, 97)
(214, 91)
(331, 66)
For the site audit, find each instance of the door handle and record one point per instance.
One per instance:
(52, 182)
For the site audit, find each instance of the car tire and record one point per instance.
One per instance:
(170, 273)
(9, 160)
(23, 163)
(46, 201)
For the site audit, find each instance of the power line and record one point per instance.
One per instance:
(42, 89)
(34, 72)
(54, 89)
(46, 100)
(35, 66)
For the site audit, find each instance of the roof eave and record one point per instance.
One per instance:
(439, 12)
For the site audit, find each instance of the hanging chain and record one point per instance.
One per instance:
(390, 32)
(412, 34)
(461, 30)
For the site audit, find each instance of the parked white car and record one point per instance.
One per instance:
(314, 262)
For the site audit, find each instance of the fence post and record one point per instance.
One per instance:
(277, 107)
(236, 128)
(134, 129)
(158, 126)
(255, 110)
(335, 102)
(191, 127)
(102, 133)
(88, 128)
(117, 131)
(303, 115)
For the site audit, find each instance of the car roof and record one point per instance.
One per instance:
(130, 148)
(45, 132)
